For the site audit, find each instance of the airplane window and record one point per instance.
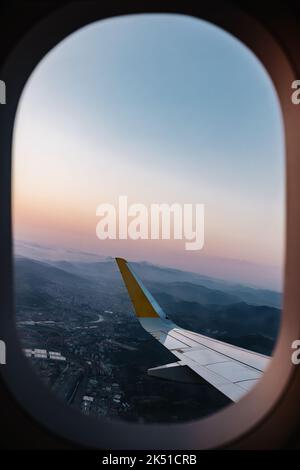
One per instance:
(148, 219)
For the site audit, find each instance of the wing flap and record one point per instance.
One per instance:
(233, 389)
(176, 371)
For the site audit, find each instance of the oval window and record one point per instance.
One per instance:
(157, 139)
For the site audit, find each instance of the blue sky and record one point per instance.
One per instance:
(164, 108)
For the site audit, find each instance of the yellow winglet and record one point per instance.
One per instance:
(143, 302)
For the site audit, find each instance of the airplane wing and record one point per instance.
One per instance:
(230, 369)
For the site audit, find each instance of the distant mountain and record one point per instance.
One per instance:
(99, 270)
(214, 312)
(46, 285)
(31, 274)
(241, 292)
(234, 320)
(234, 271)
(219, 291)
(257, 296)
(194, 292)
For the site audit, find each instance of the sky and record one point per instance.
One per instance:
(163, 109)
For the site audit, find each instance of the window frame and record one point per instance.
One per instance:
(267, 414)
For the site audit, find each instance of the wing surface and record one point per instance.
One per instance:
(230, 369)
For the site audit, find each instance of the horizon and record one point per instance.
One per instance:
(85, 258)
